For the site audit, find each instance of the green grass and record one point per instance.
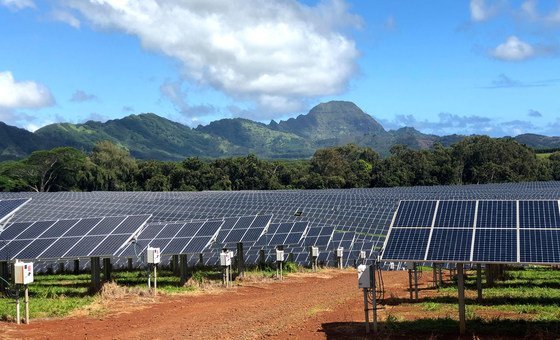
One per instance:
(528, 300)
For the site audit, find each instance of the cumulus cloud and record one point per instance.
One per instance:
(530, 11)
(17, 4)
(482, 11)
(80, 96)
(274, 53)
(23, 94)
(65, 17)
(513, 49)
(173, 91)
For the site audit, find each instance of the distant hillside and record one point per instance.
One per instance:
(17, 143)
(149, 136)
(258, 138)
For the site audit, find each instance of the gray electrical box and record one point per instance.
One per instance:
(409, 265)
(340, 252)
(365, 276)
(279, 255)
(315, 251)
(225, 259)
(153, 255)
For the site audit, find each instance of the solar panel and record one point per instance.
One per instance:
(455, 214)
(539, 214)
(57, 239)
(540, 246)
(8, 207)
(497, 214)
(415, 214)
(495, 245)
(450, 245)
(407, 244)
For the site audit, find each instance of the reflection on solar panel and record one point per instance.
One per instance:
(175, 238)
(9, 207)
(478, 231)
(103, 236)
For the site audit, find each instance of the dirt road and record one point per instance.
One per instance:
(293, 308)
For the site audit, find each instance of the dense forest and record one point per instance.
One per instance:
(110, 167)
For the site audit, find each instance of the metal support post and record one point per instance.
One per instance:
(150, 276)
(95, 265)
(240, 260)
(129, 263)
(366, 309)
(18, 316)
(461, 289)
(107, 269)
(155, 279)
(61, 267)
(374, 298)
(479, 282)
(26, 301)
(434, 276)
(410, 282)
(415, 281)
(183, 269)
(76, 266)
(3, 274)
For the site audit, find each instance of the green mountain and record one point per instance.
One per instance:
(17, 143)
(149, 136)
(258, 138)
(332, 123)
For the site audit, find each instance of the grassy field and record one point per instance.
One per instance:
(60, 295)
(526, 303)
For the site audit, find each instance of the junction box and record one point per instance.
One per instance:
(340, 252)
(23, 273)
(153, 255)
(279, 255)
(365, 276)
(314, 251)
(225, 258)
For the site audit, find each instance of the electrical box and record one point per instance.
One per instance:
(409, 265)
(314, 251)
(365, 276)
(231, 254)
(340, 252)
(23, 273)
(153, 255)
(225, 259)
(362, 254)
(279, 255)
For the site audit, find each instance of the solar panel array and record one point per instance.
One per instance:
(9, 206)
(366, 212)
(88, 237)
(497, 231)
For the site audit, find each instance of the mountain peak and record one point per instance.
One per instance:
(332, 123)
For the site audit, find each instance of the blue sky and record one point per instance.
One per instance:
(477, 66)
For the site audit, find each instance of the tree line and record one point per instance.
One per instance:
(109, 167)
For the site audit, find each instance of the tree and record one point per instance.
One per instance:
(53, 170)
(114, 167)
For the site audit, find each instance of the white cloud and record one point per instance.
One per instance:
(481, 11)
(23, 94)
(513, 50)
(269, 52)
(17, 4)
(65, 17)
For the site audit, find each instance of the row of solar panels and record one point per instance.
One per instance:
(525, 232)
(127, 237)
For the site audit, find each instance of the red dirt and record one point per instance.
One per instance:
(323, 305)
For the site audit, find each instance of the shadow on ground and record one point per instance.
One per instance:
(445, 328)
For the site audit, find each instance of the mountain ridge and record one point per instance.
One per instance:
(149, 136)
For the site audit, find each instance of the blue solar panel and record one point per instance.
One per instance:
(455, 214)
(495, 245)
(496, 214)
(8, 207)
(539, 246)
(415, 214)
(407, 244)
(450, 245)
(539, 214)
